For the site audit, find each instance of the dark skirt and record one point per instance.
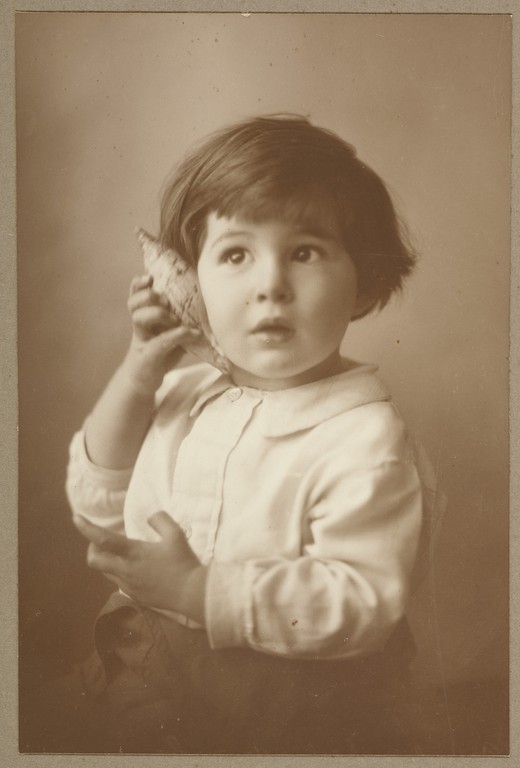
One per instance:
(155, 687)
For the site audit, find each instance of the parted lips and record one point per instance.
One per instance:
(177, 281)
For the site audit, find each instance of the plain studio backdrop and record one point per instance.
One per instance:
(107, 103)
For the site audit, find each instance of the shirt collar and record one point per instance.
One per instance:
(285, 411)
(217, 387)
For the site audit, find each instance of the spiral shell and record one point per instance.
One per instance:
(176, 280)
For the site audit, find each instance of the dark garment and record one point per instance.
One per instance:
(156, 687)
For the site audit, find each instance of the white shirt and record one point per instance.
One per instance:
(305, 504)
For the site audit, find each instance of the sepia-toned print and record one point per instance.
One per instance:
(264, 444)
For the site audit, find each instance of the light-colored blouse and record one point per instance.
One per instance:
(305, 504)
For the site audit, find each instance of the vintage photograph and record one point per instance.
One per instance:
(263, 344)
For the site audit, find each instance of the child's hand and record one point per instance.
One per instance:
(163, 574)
(156, 338)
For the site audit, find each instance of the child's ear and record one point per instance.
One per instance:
(363, 306)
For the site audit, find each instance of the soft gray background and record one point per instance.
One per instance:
(107, 103)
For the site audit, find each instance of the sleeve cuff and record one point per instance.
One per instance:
(95, 492)
(227, 623)
(110, 479)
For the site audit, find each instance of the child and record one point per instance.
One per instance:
(261, 526)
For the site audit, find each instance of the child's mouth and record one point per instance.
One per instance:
(273, 332)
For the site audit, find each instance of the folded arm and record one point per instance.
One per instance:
(349, 588)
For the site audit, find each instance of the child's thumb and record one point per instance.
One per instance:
(175, 337)
(163, 524)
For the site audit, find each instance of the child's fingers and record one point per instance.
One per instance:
(165, 526)
(144, 298)
(100, 560)
(106, 540)
(174, 337)
(139, 282)
(149, 321)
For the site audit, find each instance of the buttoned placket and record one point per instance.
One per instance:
(198, 481)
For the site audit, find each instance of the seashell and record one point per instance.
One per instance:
(176, 280)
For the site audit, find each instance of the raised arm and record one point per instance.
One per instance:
(119, 421)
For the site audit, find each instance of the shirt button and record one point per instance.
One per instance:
(186, 529)
(234, 394)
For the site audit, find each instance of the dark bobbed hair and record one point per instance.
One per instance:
(283, 167)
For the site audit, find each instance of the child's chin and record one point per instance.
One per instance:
(268, 376)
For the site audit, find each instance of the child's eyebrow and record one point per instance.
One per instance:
(315, 232)
(231, 234)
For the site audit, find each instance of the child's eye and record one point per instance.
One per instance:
(234, 256)
(307, 253)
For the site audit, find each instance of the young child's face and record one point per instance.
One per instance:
(279, 299)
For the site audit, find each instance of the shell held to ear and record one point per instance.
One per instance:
(176, 280)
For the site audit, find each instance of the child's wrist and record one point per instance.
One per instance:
(138, 386)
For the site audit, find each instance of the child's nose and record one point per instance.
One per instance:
(273, 283)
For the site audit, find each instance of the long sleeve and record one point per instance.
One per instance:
(305, 506)
(100, 493)
(348, 589)
(95, 492)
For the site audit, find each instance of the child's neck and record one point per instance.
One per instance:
(331, 366)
